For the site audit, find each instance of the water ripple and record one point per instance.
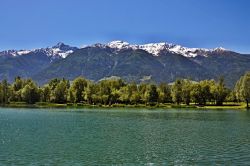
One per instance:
(129, 137)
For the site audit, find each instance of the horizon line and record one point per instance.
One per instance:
(80, 46)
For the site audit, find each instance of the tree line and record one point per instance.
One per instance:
(117, 91)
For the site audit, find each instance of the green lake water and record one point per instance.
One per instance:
(124, 137)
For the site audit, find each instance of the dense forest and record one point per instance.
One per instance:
(117, 91)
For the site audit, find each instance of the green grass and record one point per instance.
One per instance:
(160, 105)
(240, 106)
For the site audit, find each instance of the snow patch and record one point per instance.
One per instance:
(157, 48)
(119, 45)
(22, 52)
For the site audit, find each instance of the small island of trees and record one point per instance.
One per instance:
(117, 92)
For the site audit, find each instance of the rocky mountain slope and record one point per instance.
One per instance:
(156, 62)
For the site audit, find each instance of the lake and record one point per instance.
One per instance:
(127, 137)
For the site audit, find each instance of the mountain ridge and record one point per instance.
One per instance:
(153, 48)
(157, 62)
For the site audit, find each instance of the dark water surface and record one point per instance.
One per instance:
(125, 137)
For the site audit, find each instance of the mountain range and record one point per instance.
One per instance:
(155, 62)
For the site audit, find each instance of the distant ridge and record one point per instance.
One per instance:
(156, 62)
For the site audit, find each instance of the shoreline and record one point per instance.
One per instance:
(239, 106)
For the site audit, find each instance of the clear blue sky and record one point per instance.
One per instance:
(194, 23)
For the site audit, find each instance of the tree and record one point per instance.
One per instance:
(46, 92)
(77, 88)
(60, 92)
(114, 96)
(231, 96)
(237, 89)
(177, 92)
(30, 93)
(142, 91)
(16, 89)
(125, 94)
(134, 94)
(18, 84)
(246, 88)
(201, 92)
(243, 88)
(71, 96)
(115, 83)
(53, 83)
(5, 92)
(186, 91)
(104, 92)
(164, 93)
(151, 94)
(196, 94)
(89, 92)
(129, 94)
(219, 92)
(115, 86)
(135, 98)
(1, 93)
(112, 91)
(109, 91)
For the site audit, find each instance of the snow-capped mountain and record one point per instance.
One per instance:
(13, 53)
(119, 45)
(60, 50)
(161, 62)
(157, 48)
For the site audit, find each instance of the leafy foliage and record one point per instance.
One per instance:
(242, 88)
(30, 93)
(117, 91)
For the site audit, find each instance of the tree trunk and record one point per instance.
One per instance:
(219, 103)
(247, 104)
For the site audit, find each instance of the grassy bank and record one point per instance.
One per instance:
(165, 106)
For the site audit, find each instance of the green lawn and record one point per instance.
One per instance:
(227, 105)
